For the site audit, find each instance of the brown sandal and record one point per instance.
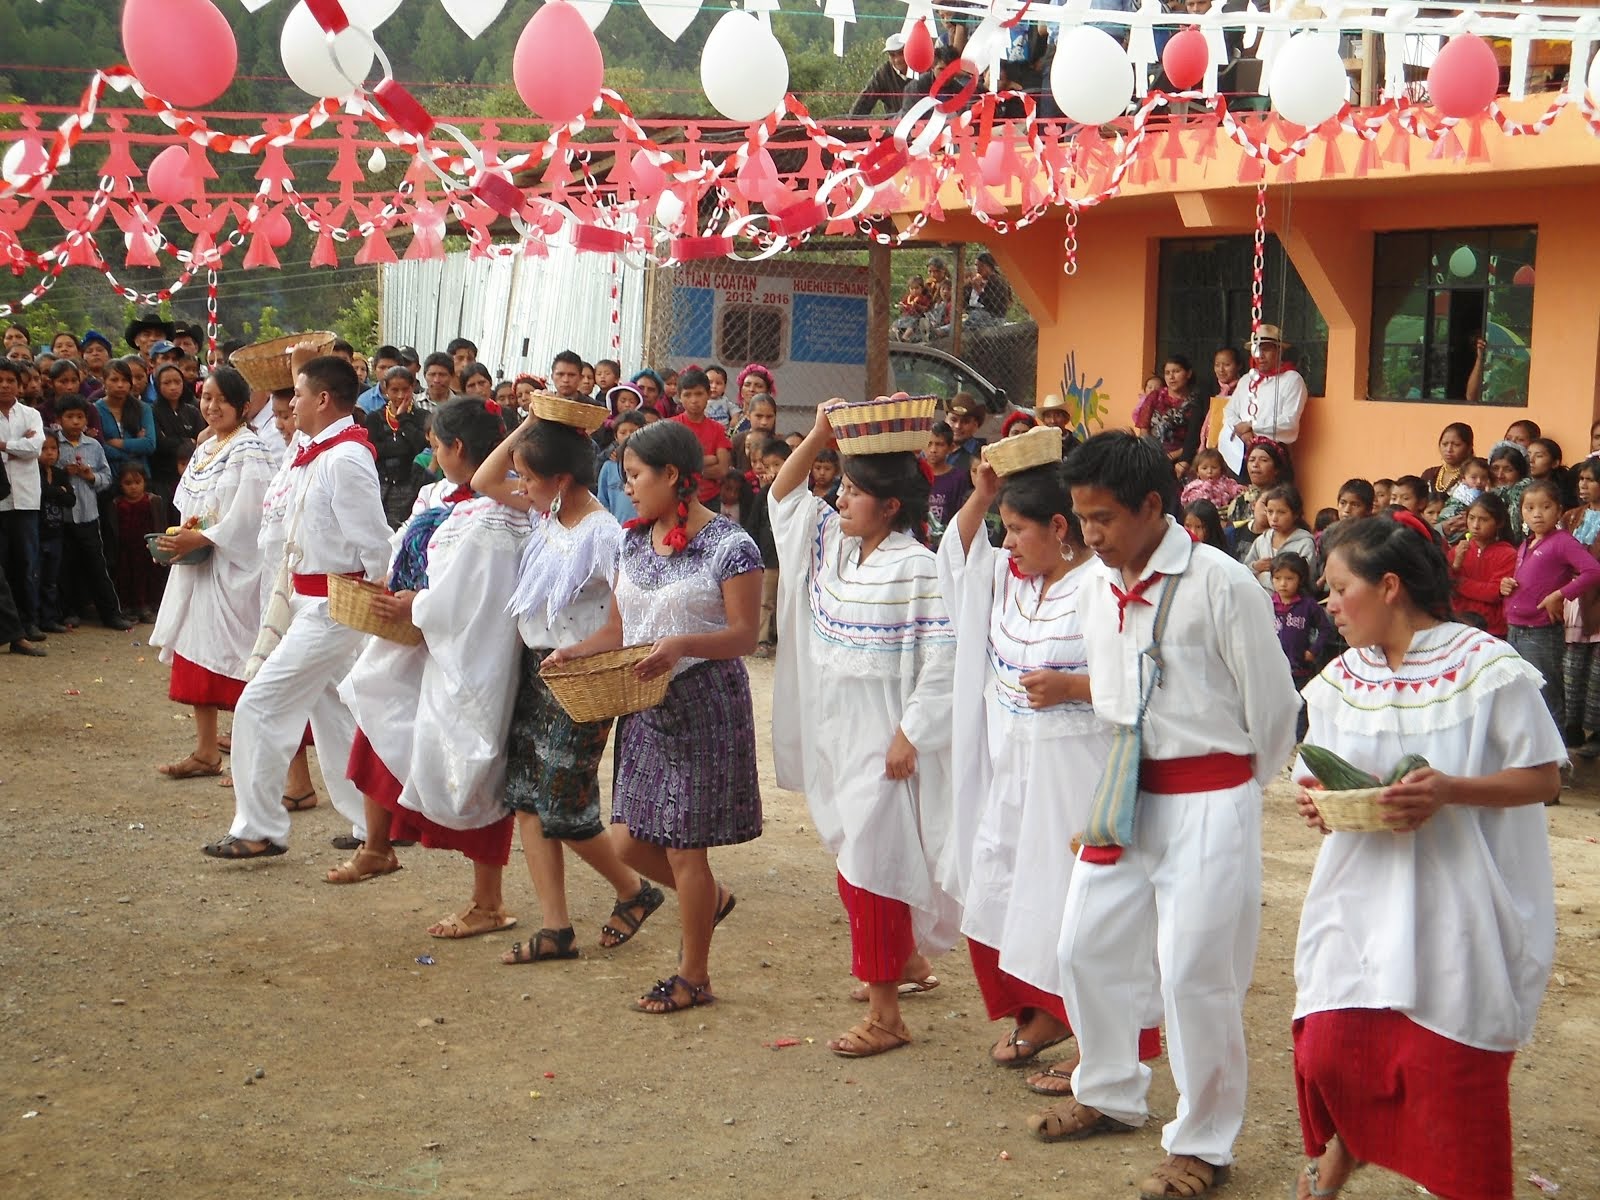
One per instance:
(866, 1039)
(1070, 1121)
(461, 925)
(1182, 1177)
(1039, 1082)
(908, 987)
(365, 864)
(191, 768)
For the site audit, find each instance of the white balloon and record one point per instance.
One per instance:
(474, 16)
(369, 14)
(1592, 80)
(1308, 80)
(669, 209)
(1092, 78)
(592, 11)
(309, 62)
(11, 171)
(377, 160)
(743, 68)
(672, 17)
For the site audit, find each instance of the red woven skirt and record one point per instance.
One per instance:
(193, 684)
(1406, 1099)
(881, 942)
(489, 845)
(1004, 995)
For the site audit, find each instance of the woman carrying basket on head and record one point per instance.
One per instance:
(562, 597)
(1424, 949)
(866, 648)
(429, 752)
(686, 780)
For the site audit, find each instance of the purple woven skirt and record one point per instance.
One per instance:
(686, 775)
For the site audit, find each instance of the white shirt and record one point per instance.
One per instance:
(341, 526)
(22, 430)
(271, 440)
(1226, 686)
(1272, 405)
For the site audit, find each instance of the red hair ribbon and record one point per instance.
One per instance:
(492, 407)
(1016, 571)
(464, 492)
(677, 539)
(1414, 523)
(927, 471)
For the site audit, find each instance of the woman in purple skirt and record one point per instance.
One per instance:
(685, 778)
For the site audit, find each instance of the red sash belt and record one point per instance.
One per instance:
(316, 585)
(1202, 773)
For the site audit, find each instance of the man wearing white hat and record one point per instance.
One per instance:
(1266, 403)
(888, 83)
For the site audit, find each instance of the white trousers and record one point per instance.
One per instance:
(298, 682)
(1186, 896)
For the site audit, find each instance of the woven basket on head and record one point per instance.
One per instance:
(1353, 811)
(577, 414)
(350, 603)
(266, 366)
(1038, 447)
(896, 424)
(603, 685)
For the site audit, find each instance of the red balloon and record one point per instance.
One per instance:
(274, 226)
(758, 176)
(919, 48)
(181, 50)
(1185, 57)
(649, 180)
(1465, 78)
(557, 65)
(1523, 277)
(168, 176)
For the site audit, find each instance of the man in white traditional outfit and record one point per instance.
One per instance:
(1182, 636)
(334, 525)
(1266, 403)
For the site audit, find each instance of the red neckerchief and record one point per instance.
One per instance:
(1262, 373)
(1134, 595)
(464, 492)
(309, 453)
(391, 419)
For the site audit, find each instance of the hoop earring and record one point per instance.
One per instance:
(555, 505)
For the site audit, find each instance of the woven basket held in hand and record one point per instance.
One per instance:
(1037, 448)
(1351, 812)
(576, 413)
(350, 603)
(897, 424)
(266, 366)
(603, 685)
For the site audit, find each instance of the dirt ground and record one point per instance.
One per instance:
(178, 1027)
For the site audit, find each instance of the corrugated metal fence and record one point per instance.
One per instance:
(520, 311)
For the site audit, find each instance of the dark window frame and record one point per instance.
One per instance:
(743, 346)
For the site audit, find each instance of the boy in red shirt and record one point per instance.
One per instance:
(694, 393)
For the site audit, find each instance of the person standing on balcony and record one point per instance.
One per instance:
(1267, 403)
(888, 83)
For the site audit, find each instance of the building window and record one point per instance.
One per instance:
(1204, 304)
(1452, 316)
(751, 333)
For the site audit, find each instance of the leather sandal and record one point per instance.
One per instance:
(1182, 1177)
(1026, 1051)
(547, 945)
(191, 768)
(1070, 1121)
(364, 864)
(663, 997)
(648, 899)
(866, 1039)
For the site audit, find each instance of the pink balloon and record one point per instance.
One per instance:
(274, 226)
(557, 65)
(1185, 57)
(1465, 78)
(758, 177)
(919, 48)
(648, 179)
(181, 50)
(992, 166)
(168, 176)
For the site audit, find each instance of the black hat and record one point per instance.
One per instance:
(150, 320)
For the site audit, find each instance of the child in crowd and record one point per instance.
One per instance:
(1482, 560)
(950, 487)
(84, 576)
(1304, 630)
(1211, 481)
(1472, 483)
(1356, 499)
(1286, 532)
(607, 374)
(1522, 433)
(613, 491)
(1326, 518)
(1409, 493)
(722, 407)
(56, 502)
(793, 440)
(693, 392)
(825, 477)
(1581, 668)
(734, 500)
(772, 457)
(136, 512)
(183, 452)
(762, 414)
(1204, 523)
(1432, 509)
(1551, 569)
(1382, 494)
(914, 307)
(1544, 462)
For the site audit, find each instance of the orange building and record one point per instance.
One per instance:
(1385, 283)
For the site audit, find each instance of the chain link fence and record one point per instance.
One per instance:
(804, 316)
